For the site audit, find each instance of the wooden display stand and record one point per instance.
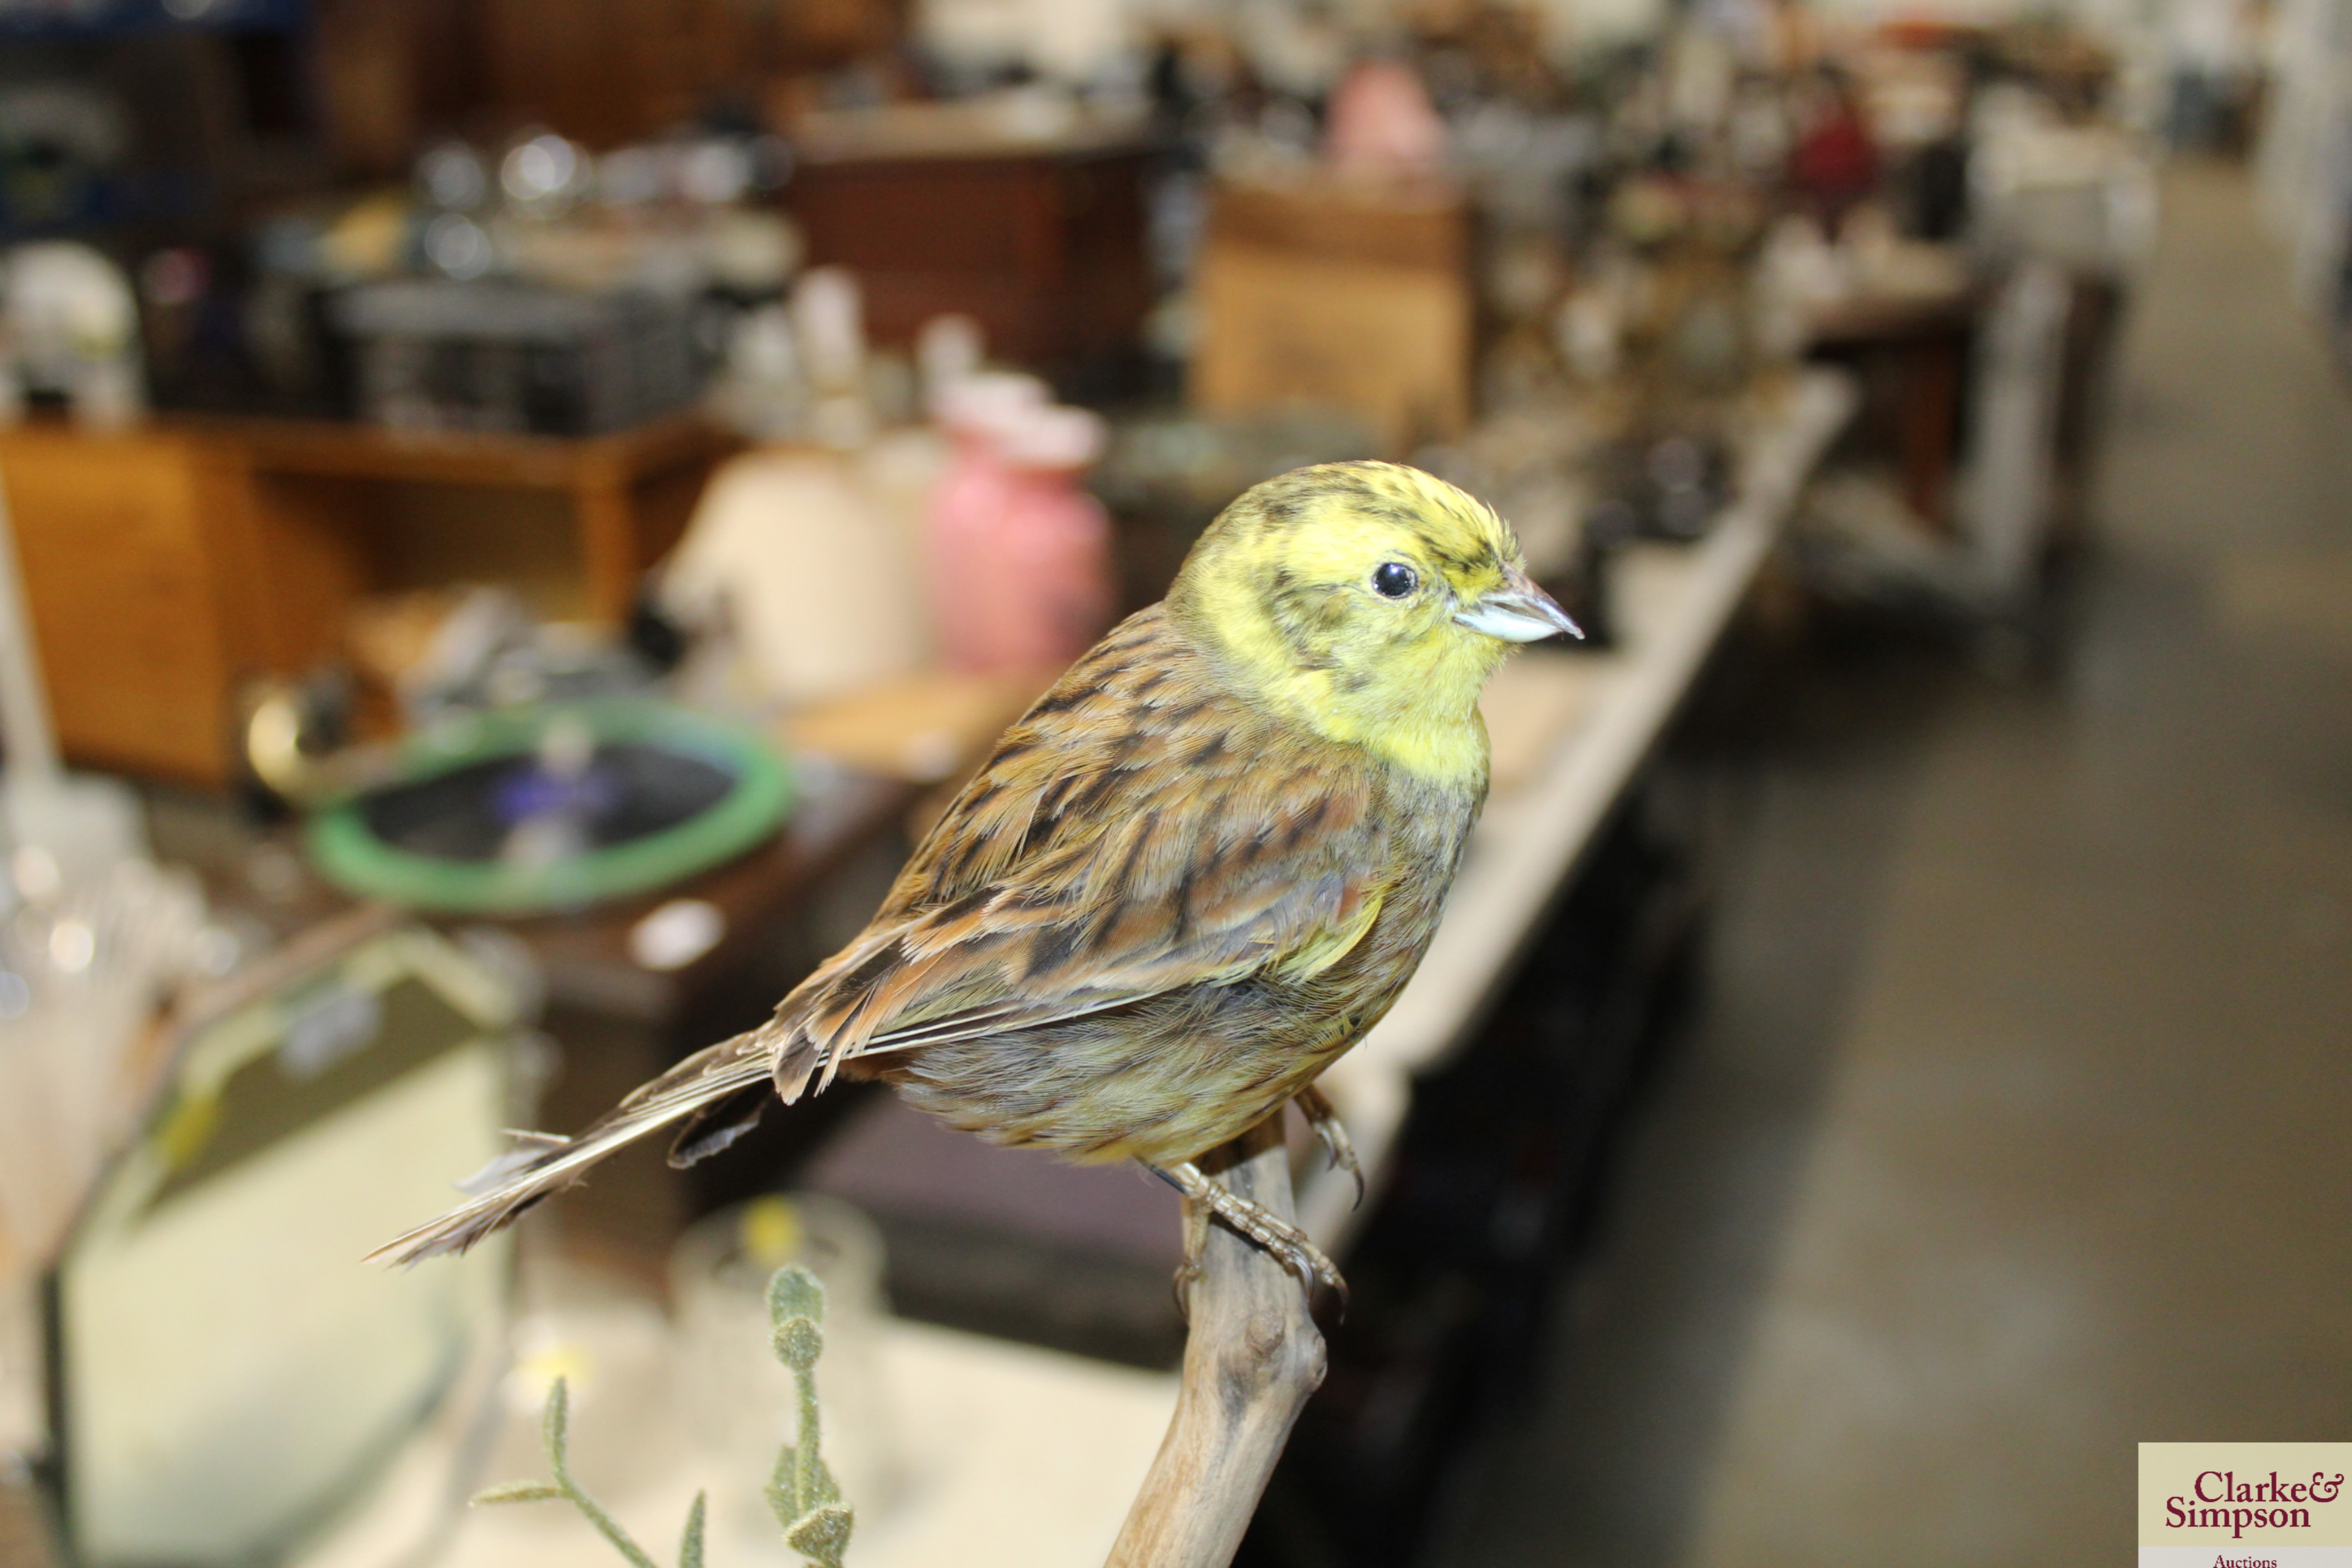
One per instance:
(1340, 297)
(165, 563)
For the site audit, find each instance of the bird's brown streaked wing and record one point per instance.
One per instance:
(1029, 795)
(1137, 831)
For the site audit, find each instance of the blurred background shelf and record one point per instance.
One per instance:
(167, 565)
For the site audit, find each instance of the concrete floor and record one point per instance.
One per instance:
(2018, 1127)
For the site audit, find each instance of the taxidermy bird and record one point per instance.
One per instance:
(1193, 874)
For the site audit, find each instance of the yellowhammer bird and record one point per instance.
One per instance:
(1198, 870)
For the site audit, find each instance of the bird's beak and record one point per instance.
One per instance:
(1518, 611)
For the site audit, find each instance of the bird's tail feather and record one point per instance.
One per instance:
(541, 1164)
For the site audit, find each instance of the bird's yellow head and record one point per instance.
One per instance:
(1368, 601)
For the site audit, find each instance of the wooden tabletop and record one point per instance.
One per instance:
(1892, 318)
(348, 449)
(342, 448)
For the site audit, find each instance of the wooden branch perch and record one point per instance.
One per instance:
(1253, 1357)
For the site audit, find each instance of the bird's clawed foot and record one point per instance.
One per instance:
(1281, 1240)
(1332, 1132)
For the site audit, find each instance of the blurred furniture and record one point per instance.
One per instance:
(165, 563)
(583, 519)
(1039, 235)
(1674, 602)
(130, 120)
(1341, 297)
(313, 1104)
(629, 987)
(2014, 423)
(2081, 197)
(1909, 352)
(2094, 322)
(1491, 1103)
(141, 595)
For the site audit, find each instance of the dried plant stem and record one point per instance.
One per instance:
(1251, 1360)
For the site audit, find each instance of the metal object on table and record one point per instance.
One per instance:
(506, 355)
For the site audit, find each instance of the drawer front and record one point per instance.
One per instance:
(124, 599)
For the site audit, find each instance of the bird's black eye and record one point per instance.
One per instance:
(1394, 580)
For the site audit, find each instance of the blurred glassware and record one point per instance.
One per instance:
(84, 962)
(452, 176)
(948, 351)
(545, 175)
(715, 172)
(458, 248)
(72, 328)
(829, 331)
(735, 1396)
(761, 392)
(632, 176)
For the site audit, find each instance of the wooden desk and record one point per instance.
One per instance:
(165, 564)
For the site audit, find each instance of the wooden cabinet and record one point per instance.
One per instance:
(1044, 245)
(137, 569)
(1339, 297)
(165, 565)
